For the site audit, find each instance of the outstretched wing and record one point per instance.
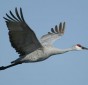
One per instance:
(22, 38)
(52, 36)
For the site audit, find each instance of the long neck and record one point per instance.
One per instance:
(61, 51)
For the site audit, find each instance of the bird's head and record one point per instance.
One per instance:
(80, 47)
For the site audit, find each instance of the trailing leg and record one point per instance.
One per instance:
(5, 67)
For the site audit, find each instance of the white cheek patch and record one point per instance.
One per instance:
(78, 48)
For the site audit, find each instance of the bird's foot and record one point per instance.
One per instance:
(2, 68)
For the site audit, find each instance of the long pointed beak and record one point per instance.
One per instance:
(84, 48)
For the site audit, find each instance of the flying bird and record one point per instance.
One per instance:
(25, 42)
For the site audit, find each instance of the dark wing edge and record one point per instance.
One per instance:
(53, 35)
(59, 30)
(17, 26)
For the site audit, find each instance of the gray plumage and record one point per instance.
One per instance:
(22, 38)
(25, 42)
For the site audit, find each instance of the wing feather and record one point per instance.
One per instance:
(56, 28)
(9, 17)
(22, 38)
(17, 14)
(13, 16)
(52, 30)
(52, 36)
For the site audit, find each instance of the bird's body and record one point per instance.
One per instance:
(39, 54)
(25, 42)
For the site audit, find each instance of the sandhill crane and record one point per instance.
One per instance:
(25, 42)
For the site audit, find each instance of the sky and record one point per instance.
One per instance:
(41, 15)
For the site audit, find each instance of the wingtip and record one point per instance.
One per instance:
(64, 23)
(20, 8)
(15, 8)
(6, 19)
(60, 25)
(52, 30)
(21, 13)
(3, 17)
